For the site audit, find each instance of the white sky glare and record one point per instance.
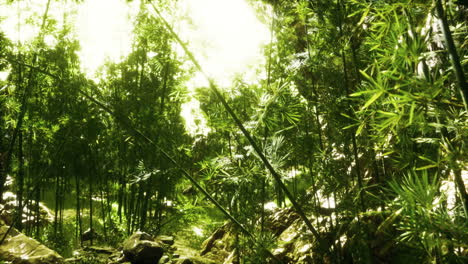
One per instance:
(224, 35)
(226, 38)
(104, 29)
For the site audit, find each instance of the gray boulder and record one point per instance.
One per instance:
(140, 248)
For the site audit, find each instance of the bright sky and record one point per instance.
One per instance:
(105, 31)
(225, 36)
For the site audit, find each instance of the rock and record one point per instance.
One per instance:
(164, 259)
(144, 252)
(185, 261)
(220, 244)
(10, 204)
(72, 260)
(96, 255)
(297, 245)
(141, 236)
(89, 234)
(211, 241)
(292, 232)
(194, 260)
(231, 258)
(141, 249)
(168, 240)
(99, 250)
(280, 219)
(18, 248)
(121, 259)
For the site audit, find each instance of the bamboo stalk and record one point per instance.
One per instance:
(23, 109)
(452, 50)
(252, 142)
(462, 85)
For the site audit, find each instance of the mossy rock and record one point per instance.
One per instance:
(141, 249)
(21, 249)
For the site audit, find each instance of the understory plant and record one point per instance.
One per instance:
(422, 219)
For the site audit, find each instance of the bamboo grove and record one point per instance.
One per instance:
(363, 106)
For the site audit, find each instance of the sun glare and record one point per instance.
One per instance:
(13, 17)
(104, 27)
(227, 38)
(224, 35)
(105, 31)
(195, 121)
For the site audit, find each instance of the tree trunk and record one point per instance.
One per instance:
(90, 194)
(78, 209)
(20, 182)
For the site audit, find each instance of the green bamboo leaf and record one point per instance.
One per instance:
(359, 130)
(363, 92)
(373, 81)
(389, 221)
(348, 116)
(397, 19)
(373, 99)
(388, 153)
(350, 126)
(387, 113)
(391, 121)
(427, 159)
(364, 16)
(426, 167)
(436, 125)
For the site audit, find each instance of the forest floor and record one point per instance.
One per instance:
(186, 245)
(185, 248)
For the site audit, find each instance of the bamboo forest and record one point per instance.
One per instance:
(233, 131)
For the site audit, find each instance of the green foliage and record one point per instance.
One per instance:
(422, 218)
(62, 241)
(358, 103)
(256, 253)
